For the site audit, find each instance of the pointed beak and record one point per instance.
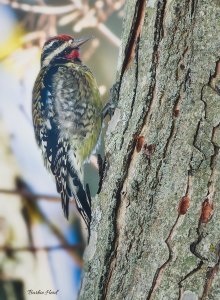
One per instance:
(79, 42)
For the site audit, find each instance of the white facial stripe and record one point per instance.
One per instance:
(55, 52)
(49, 45)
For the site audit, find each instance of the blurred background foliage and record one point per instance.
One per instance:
(41, 252)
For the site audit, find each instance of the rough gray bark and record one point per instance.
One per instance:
(142, 246)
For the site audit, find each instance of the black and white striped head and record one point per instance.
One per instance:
(61, 47)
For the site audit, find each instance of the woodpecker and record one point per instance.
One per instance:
(67, 119)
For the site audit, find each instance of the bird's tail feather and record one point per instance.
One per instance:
(81, 195)
(70, 187)
(69, 184)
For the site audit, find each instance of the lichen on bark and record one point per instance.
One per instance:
(141, 247)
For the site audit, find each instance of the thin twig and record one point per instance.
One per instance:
(40, 9)
(28, 195)
(46, 248)
(25, 193)
(74, 254)
(31, 36)
(59, 10)
(36, 213)
(110, 35)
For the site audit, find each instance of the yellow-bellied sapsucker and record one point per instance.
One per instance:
(67, 117)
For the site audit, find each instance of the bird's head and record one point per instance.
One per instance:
(62, 46)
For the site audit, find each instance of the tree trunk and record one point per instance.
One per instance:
(155, 228)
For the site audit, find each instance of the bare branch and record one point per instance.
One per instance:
(27, 194)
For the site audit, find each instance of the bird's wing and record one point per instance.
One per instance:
(55, 146)
(78, 105)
